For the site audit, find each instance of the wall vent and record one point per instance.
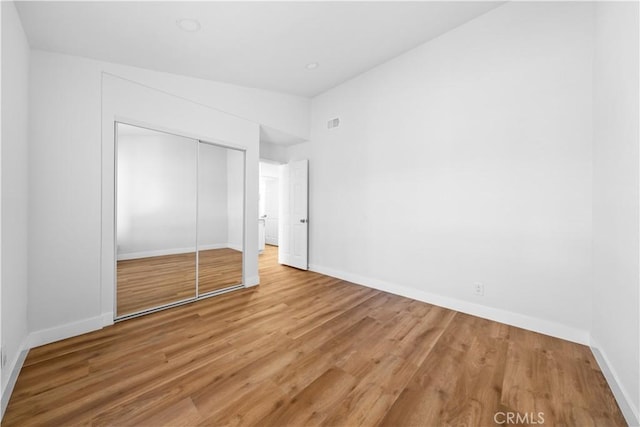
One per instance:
(333, 123)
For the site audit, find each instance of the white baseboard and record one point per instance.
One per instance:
(159, 252)
(627, 406)
(176, 251)
(46, 336)
(535, 324)
(15, 367)
(234, 247)
(57, 333)
(214, 246)
(107, 319)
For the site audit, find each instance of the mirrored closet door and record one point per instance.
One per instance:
(220, 217)
(179, 220)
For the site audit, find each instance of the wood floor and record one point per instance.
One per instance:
(146, 283)
(219, 268)
(305, 349)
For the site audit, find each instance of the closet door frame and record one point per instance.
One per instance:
(198, 296)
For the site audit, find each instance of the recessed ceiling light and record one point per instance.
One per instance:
(189, 25)
(312, 65)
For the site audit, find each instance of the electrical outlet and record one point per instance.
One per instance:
(478, 289)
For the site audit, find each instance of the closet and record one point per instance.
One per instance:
(179, 220)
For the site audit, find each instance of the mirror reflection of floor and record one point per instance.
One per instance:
(219, 268)
(146, 283)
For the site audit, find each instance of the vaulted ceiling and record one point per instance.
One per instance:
(264, 45)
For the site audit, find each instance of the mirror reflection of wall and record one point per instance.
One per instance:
(156, 211)
(180, 214)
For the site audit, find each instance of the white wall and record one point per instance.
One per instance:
(72, 108)
(288, 114)
(15, 90)
(157, 195)
(64, 192)
(616, 232)
(467, 159)
(273, 152)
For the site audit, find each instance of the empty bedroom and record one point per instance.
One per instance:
(338, 213)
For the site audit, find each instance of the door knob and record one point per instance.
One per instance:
(303, 221)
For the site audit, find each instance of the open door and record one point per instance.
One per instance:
(293, 230)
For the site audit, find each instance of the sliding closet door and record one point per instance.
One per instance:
(220, 217)
(156, 203)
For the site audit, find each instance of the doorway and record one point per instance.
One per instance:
(283, 210)
(270, 200)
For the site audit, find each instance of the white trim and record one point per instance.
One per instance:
(46, 336)
(252, 281)
(174, 251)
(535, 324)
(16, 366)
(232, 246)
(107, 319)
(57, 333)
(627, 406)
(198, 218)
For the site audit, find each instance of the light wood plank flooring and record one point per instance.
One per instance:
(305, 349)
(219, 268)
(146, 283)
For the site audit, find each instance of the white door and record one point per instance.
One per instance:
(271, 208)
(293, 227)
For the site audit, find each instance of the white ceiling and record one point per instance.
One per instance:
(257, 44)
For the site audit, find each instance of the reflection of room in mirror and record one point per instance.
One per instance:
(220, 217)
(160, 198)
(156, 193)
(149, 282)
(156, 210)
